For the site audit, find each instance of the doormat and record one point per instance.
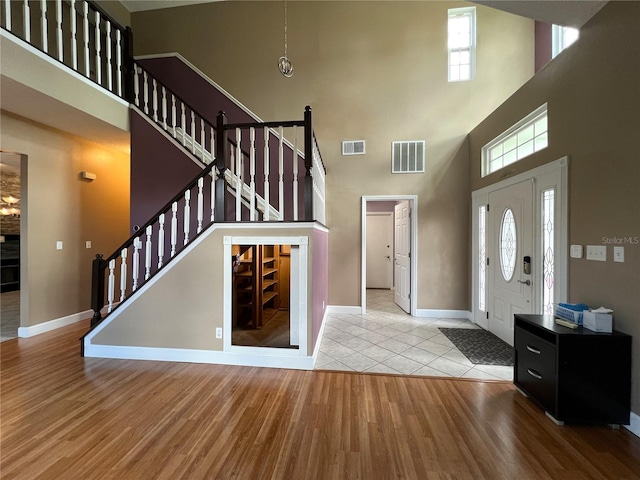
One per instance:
(480, 346)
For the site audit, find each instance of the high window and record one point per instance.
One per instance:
(562, 37)
(527, 136)
(462, 44)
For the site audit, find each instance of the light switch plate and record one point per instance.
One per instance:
(618, 254)
(576, 251)
(58, 245)
(597, 253)
(88, 244)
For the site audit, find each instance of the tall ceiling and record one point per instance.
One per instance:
(572, 13)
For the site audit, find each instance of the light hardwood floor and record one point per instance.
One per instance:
(67, 417)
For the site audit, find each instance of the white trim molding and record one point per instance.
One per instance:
(434, 313)
(349, 309)
(316, 349)
(33, 330)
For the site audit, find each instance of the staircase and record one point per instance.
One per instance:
(251, 171)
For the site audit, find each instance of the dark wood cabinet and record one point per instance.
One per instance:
(574, 375)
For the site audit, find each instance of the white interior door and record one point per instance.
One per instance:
(510, 243)
(379, 250)
(402, 270)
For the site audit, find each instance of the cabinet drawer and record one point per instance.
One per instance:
(535, 369)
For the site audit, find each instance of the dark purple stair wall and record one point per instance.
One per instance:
(158, 170)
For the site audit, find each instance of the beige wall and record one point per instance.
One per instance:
(593, 95)
(116, 10)
(370, 70)
(60, 206)
(186, 303)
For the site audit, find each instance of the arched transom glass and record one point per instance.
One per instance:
(508, 245)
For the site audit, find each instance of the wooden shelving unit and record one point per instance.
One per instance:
(256, 285)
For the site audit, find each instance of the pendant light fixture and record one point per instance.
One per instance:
(284, 65)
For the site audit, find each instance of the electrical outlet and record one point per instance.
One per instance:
(218, 332)
(88, 244)
(58, 245)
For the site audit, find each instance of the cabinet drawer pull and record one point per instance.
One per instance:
(533, 350)
(534, 374)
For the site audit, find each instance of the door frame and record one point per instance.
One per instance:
(553, 174)
(413, 205)
(391, 216)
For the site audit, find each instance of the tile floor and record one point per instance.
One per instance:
(388, 340)
(9, 315)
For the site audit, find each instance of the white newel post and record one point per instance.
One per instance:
(281, 174)
(200, 204)
(252, 174)
(174, 227)
(147, 253)
(160, 240)
(267, 206)
(135, 267)
(111, 285)
(187, 215)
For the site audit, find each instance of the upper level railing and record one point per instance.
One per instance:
(77, 33)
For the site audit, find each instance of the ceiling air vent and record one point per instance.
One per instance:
(407, 157)
(353, 147)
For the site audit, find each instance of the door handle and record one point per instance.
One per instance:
(526, 282)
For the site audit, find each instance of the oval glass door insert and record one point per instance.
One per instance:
(508, 245)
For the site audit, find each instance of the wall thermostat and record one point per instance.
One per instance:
(576, 251)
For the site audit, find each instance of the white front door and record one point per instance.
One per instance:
(402, 270)
(379, 250)
(510, 249)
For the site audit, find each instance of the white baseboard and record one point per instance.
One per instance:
(634, 424)
(316, 349)
(197, 356)
(432, 313)
(355, 310)
(26, 332)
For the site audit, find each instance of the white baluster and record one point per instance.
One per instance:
(147, 253)
(183, 123)
(27, 21)
(281, 175)
(239, 172)
(200, 204)
(252, 173)
(43, 26)
(213, 145)
(213, 192)
(232, 159)
(136, 86)
(155, 100)
(98, 51)
(295, 173)
(7, 14)
(119, 60)
(135, 267)
(85, 31)
(74, 34)
(109, 63)
(160, 240)
(111, 285)
(202, 142)
(193, 133)
(164, 107)
(267, 207)
(59, 30)
(145, 91)
(173, 114)
(174, 227)
(187, 215)
(123, 274)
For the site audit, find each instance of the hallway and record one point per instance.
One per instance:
(388, 340)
